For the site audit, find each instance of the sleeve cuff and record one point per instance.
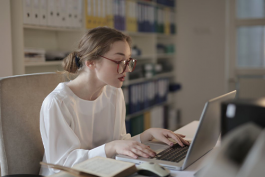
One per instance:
(137, 138)
(98, 151)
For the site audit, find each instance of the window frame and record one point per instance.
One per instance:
(234, 23)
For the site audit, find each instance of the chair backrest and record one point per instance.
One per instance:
(21, 97)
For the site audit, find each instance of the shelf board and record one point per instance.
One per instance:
(44, 63)
(168, 74)
(164, 6)
(146, 34)
(155, 4)
(165, 55)
(147, 109)
(161, 35)
(147, 2)
(149, 34)
(143, 57)
(53, 28)
(50, 28)
(158, 76)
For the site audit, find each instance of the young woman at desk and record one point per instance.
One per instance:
(85, 117)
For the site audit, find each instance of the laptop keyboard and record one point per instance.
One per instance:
(173, 154)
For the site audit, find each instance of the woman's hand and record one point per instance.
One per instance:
(163, 135)
(128, 147)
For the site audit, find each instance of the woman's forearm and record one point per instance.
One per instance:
(110, 149)
(146, 135)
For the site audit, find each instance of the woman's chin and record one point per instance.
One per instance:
(116, 84)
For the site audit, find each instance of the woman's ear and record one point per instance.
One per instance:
(89, 64)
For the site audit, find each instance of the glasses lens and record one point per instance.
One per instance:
(131, 65)
(121, 67)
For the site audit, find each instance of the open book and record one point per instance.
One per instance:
(97, 166)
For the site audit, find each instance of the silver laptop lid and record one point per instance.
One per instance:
(208, 130)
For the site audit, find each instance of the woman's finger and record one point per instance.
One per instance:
(176, 138)
(167, 141)
(146, 147)
(184, 141)
(180, 135)
(131, 154)
(147, 150)
(139, 152)
(151, 150)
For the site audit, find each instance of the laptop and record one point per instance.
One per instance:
(206, 136)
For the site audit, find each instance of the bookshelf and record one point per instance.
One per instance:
(53, 38)
(128, 117)
(46, 63)
(140, 80)
(49, 28)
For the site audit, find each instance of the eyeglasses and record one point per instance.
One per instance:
(123, 63)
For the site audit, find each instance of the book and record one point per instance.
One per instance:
(94, 167)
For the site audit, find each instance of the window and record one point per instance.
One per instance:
(250, 34)
(249, 9)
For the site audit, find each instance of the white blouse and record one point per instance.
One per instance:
(74, 130)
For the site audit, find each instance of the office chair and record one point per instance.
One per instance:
(21, 97)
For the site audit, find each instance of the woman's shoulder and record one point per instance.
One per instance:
(58, 95)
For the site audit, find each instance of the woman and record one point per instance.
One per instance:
(85, 117)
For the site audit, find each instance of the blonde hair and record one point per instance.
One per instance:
(95, 42)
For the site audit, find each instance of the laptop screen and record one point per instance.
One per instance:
(208, 130)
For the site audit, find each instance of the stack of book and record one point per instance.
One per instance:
(34, 55)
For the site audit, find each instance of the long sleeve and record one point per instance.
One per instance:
(61, 144)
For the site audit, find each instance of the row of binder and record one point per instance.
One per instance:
(129, 15)
(142, 122)
(154, 19)
(158, 117)
(123, 15)
(55, 13)
(144, 95)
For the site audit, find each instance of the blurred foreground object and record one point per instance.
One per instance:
(238, 112)
(241, 154)
(255, 161)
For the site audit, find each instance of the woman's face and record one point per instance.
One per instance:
(107, 70)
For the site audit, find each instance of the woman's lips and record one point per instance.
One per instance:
(121, 79)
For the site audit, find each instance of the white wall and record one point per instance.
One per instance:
(200, 54)
(5, 38)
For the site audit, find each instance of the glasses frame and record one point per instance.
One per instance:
(118, 62)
